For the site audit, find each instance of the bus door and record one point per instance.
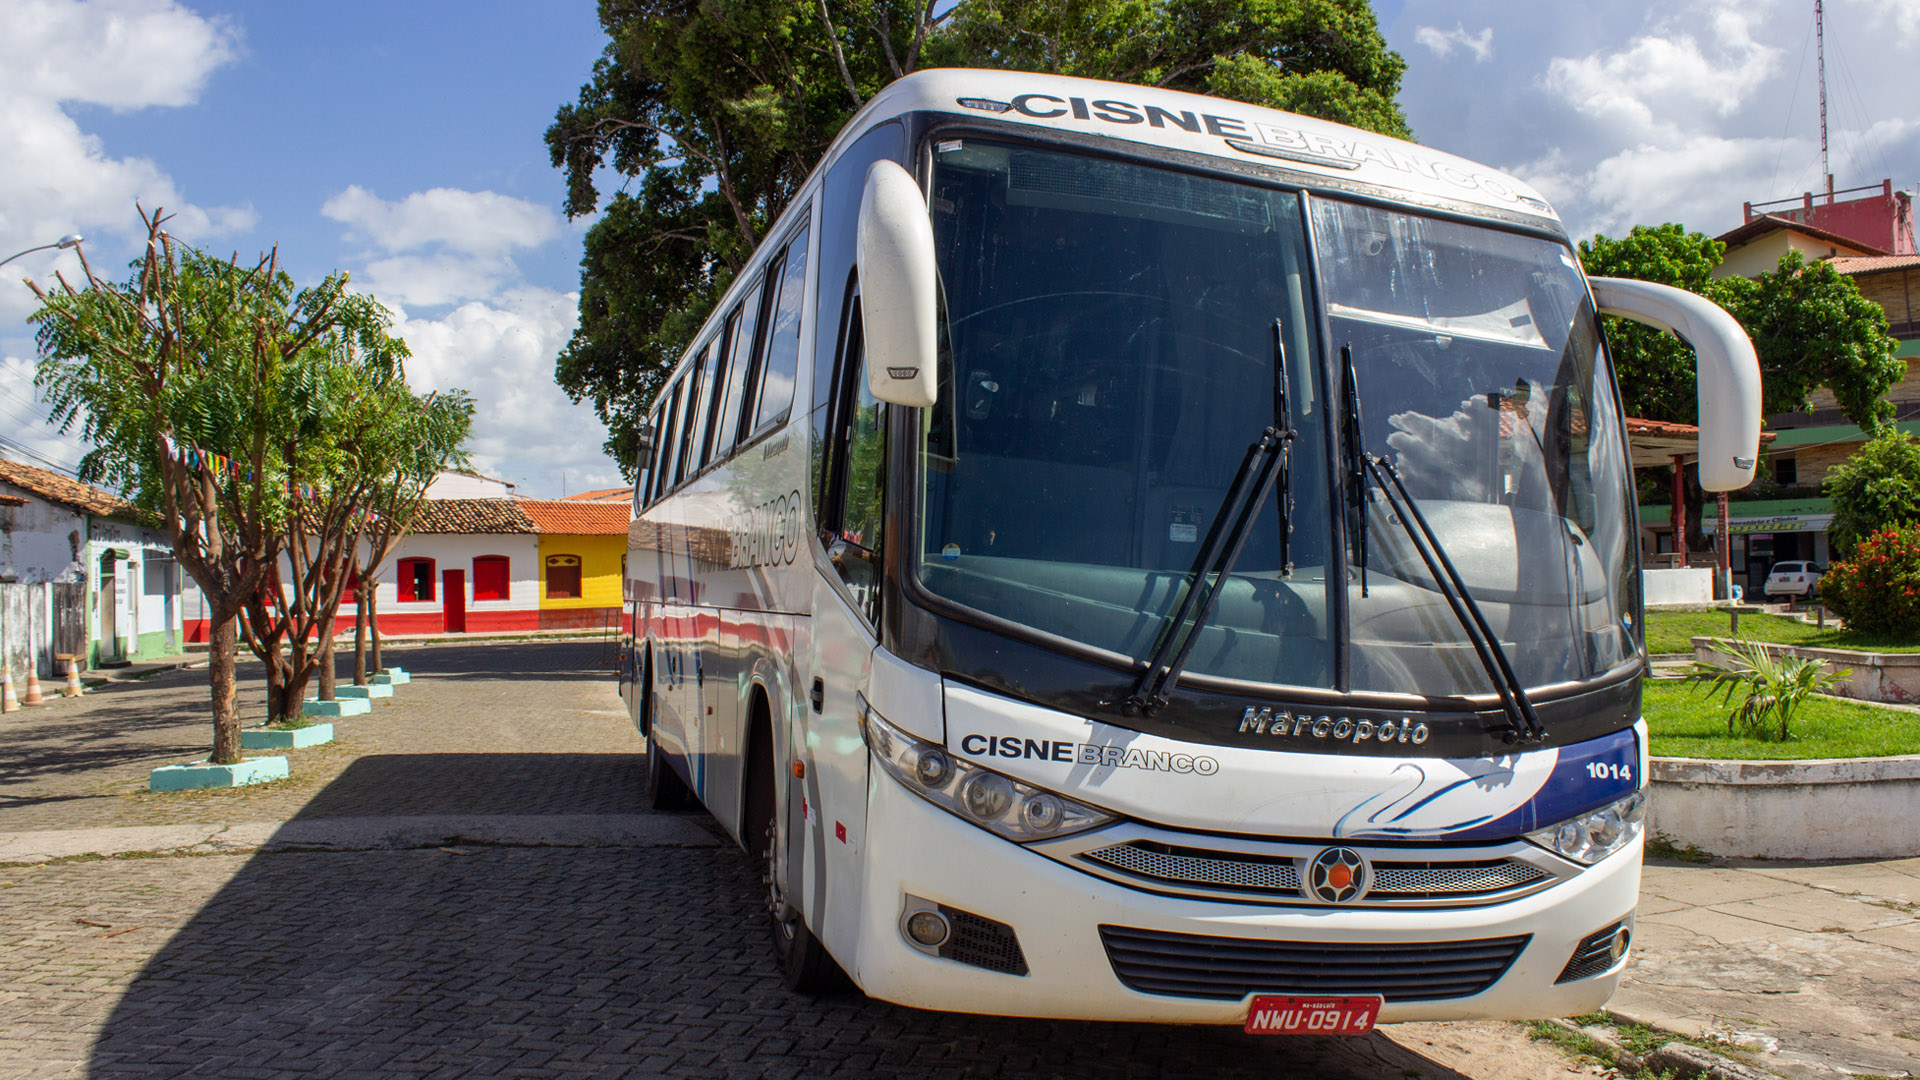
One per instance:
(846, 609)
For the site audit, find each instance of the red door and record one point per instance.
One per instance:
(453, 600)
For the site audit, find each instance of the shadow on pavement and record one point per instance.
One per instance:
(634, 961)
(382, 785)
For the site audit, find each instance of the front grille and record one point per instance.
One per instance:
(1277, 877)
(1165, 863)
(1592, 956)
(982, 942)
(1199, 966)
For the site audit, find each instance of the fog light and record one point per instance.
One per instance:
(1621, 939)
(928, 928)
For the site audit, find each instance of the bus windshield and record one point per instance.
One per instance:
(1112, 353)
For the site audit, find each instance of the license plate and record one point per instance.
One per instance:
(1275, 1015)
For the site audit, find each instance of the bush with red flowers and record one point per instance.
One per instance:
(1877, 590)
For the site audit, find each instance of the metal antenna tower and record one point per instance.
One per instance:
(1820, 43)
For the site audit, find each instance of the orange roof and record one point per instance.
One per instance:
(619, 494)
(1869, 264)
(572, 518)
(70, 493)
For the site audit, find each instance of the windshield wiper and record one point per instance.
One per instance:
(1266, 464)
(1356, 469)
(1518, 707)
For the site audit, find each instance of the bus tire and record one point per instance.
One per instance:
(805, 965)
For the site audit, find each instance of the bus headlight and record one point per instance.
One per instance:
(1597, 834)
(1014, 809)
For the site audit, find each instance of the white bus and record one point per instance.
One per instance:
(1129, 555)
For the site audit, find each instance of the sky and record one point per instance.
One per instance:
(402, 142)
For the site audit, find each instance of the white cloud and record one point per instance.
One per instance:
(1902, 16)
(469, 222)
(1654, 81)
(524, 429)
(57, 179)
(1443, 42)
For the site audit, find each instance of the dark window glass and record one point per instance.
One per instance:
(1786, 471)
(669, 439)
(491, 578)
(696, 412)
(709, 446)
(416, 580)
(859, 462)
(739, 361)
(783, 338)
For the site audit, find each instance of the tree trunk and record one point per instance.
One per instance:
(360, 641)
(226, 720)
(276, 688)
(373, 627)
(329, 681)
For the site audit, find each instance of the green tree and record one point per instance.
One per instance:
(713, 113)
(415, 439)
(1877, 488)
(187, 378)
(1810, 327)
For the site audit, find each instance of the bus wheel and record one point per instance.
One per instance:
(805, 965)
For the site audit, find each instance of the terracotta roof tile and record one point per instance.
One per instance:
(571, 518)
(492, 516)
(619, 495)
(1870, 264)
(65, 491)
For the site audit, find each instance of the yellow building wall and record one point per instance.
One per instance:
(599, 569)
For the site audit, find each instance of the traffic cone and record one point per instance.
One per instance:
(73, 679)
(33, 690)
(8, 703)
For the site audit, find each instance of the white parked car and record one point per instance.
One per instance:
(1793, 579)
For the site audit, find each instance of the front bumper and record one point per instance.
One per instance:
(917, 850)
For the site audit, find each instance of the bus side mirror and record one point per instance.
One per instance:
(899, 287)
(1728, 380)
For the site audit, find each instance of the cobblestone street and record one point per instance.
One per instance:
(647, 958)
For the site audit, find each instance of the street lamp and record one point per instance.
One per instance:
(65, 242)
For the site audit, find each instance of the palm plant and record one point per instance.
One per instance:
(1771, 686)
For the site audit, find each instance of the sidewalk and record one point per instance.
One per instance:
(1810, 965)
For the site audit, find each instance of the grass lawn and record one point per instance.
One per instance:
(1686, 722)
(1668, 631)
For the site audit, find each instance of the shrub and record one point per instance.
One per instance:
(1877, 589)
(1877, 488)
(1771, 687)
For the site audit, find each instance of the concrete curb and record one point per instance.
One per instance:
(360, 834)
(1819, 808)
(1679, 1059)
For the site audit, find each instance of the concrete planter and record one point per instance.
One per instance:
(202, 775)
(393, 676)
(1839, 808)
(364, 693)
(1893, 677)
(290, 739)
(342, 707)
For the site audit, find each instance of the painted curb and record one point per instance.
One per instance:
(1820, 808)
(396, 676)
(202, 775)
(364, 693)
(291, 739)
(343, 707)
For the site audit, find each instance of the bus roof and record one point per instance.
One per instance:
(1216, 127)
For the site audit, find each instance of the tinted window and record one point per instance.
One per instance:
(783, 338)
(695, 414)
(669, 438)
(702, 413)
(739, 361)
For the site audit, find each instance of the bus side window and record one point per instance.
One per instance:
(740, 353)
(695, 412)
(856, 474)
(775, 398)
(669, 439)
(718, 440)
